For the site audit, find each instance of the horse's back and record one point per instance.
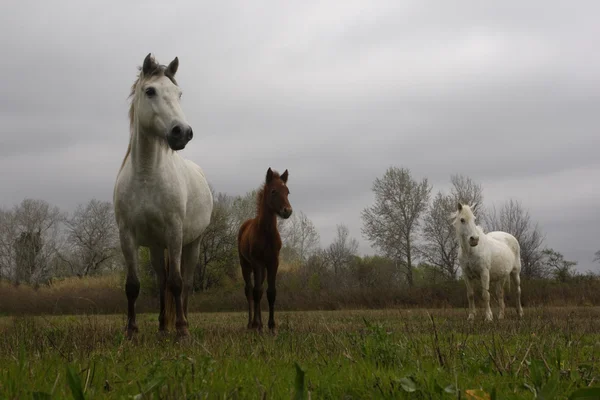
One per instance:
(507, 239)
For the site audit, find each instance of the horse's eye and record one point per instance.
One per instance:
(150, 92)
(273, 192)
(462, 220)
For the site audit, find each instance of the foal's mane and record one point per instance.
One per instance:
(159, 70)
(260, 196)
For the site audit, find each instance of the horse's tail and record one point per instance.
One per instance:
(169, 298)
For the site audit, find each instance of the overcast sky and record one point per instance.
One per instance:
(336, 92)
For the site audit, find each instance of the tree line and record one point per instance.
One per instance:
(407, 225)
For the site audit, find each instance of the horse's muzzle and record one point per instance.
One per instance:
(285, 213)
(179, 136)
(473, 242)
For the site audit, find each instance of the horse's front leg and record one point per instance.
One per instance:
(485, 293)
(174, 280)
(500, 297)
(259, 278)
(272, 292)
(190, 256)
(471, 297)
(132, 284)
(157, 258)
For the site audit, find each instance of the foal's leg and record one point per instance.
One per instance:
(132, 284)
(485, 293)
(247, 273)
(272, 292)
(259, 274)
(157, 258)
(471, 297)
(189, 261)
(500, 297)
(516, 281)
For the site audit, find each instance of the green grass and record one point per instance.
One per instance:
(550, 354)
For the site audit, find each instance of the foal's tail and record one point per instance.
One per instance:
(169, 298)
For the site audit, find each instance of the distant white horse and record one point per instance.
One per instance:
(161, 199)
(486, 258)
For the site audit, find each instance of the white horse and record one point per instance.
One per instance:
(161, 200)
(486, 258)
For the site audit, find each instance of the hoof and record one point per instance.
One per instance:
(471, 317)
(131, 331)
(183, 332)
(500, 316)
(162, 334)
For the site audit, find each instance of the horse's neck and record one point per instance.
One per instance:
(147, 151)
(267, 220)
(471, 251)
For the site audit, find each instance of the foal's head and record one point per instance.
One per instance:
(155, 105)
(464, 223)
(275, 193)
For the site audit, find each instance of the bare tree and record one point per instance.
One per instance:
(597, 256)
(300, 237)
(92, 238)
(218, 254)
(244, 207)
(556, 264)
(466, 191)
(341, 251)
(392, 222)
(440, 247)
(8, 236)
(29, 240)
(514, 219)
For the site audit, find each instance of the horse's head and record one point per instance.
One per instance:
(276, 193)
(156, 104)
(464, 223)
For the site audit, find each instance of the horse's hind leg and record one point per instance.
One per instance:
(132, 284)
(500, 297)
(516, 281)
(247, 273)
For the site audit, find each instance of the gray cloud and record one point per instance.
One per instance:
(335, 92)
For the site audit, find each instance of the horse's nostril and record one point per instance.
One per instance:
(191, 134)
(176, 131)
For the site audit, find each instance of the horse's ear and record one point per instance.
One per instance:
(172, 68)
(459, 207)
(474, 206)
(149, 64)
(269, 175)
(284, 176)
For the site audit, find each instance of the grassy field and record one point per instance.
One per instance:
(550, 354)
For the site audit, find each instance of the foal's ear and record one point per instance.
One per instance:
(284, 176)
(149, 64)
(459, 207)
(474, 206)
(172, 68)
(269, 175)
